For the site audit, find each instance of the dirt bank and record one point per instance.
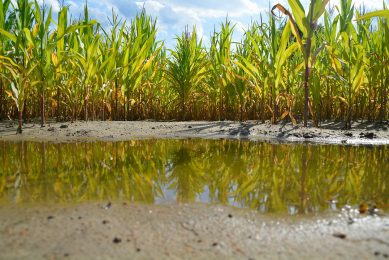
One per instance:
(361, 133)
(196, 231)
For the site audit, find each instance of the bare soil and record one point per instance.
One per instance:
(195, 231)
(330, 132)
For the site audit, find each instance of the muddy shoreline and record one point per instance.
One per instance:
(184, 231)
(80, 131)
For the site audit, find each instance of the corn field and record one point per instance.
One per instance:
(329, 63)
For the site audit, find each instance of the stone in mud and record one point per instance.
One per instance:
(107, 206)
(308, 135)
(339, 235)
(368, 135)
(117, 240)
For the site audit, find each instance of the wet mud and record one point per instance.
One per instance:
(184, 231)
(328, 133)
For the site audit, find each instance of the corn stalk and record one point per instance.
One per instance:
(303, 27)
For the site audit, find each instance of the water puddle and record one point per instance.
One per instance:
(270, 178)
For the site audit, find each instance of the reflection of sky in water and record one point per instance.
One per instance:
(261, 176)
(169, 196)
(204, 196)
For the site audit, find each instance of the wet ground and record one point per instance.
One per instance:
(120, 230)
(329, 132)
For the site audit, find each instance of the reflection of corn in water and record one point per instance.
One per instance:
(297, 179)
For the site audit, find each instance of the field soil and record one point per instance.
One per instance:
(120, 230)
(329, 132)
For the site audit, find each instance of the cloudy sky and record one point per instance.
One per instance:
(173, 15)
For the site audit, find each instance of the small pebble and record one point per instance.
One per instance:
(108, 206)
(116, 240)
(370, 135)
(340, 235)
(308, 136)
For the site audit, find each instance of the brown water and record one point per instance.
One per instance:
(275, 178)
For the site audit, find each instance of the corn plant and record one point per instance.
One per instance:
(5, 25)
(43, 45)
(221, 65)
(58, 57)
(140, 50)
(270, 49)
(187, 68)
(303, 28)
(21, 66)
(382, 54)
(113, 44)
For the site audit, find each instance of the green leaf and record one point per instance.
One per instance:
(319, 9)
(380, 13)
(27, 32)
(299, 15)
(9, 35)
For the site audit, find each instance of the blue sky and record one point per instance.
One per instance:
(174, 15)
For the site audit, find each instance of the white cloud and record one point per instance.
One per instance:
(173, 15)
(53, 3)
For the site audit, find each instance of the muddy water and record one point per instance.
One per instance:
(270, 178)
